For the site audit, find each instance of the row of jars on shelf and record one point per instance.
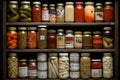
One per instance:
(43, 38)
(69, 13)
(65, 66)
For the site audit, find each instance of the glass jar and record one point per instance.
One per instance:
(51, 39)
(36, 11)
(78, 40)
(42, 65)
(108, 38)
(74, 57)
(12, 36)
(22, 37)
(97, 40)
(89, 12)
(42, 74)
(32, 69)
(32, 38)
(12, 13)
(23, 68)
(63, 65)
(79, 12)
(107, 61)
(41, 57)
(45, 13)
(42, 36)
(74, 66)
(52, 13)
(69, 39)
(25, 11)
(12, 65)
(60, 12)
(74, 74)
(87, 40)
(85, 62)
(69, 12)
(108, 12)
(60, 39)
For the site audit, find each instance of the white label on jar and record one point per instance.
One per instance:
(45, 15)
(60, 42)
(99, 16)
(23, 71)
(74, 74)
(96, 72)
(42, 65)
(69, 42)
(42, 57)
(78, 41)
(32, 72)
(74, 57)
(74, 66)
(42, 74)
(42, 37)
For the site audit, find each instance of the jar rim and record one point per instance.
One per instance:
(60, 4)
(25, 2)
(13, 2)
(107, 28)
(63, 54)
(12, 28)
(22, 28)
(36, 2)
(32, 28)
(45, 5)
(98, 4)
(22, 60)
(71, 3)
(12, 54)
(108, 3)
(51, 31)
(52, 5)
(78, 2)
(42, 26)
(89, 3)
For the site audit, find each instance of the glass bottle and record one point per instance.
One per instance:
(52, 13)
(45, 13)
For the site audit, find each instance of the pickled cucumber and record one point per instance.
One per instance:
(13, 11)
(23, 16)
(26, 13)
(26, 20)
(13, 19)
(25, 9)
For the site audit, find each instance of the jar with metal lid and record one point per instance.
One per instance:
(42, 36)
(108, 37)
(97, 40)
(36, 11)
(78, 40)
(74, 57)
(107, 61)
(25, 11)
(69, 39)
(23, 68)
(12, 37)
(42, 74)
(108, 12)
(74, 74)
(32, 37)
(85, 62)
(42, 65)
(63, 66)
(69, 12)
(12, 65)
(52, 13)
(60, 39)
(22, 37)
(45, 13)
(41, 57)
(12, 13)
(89, 12)
(60, 11)
(51, 39)
(87, 40)
(96, 71)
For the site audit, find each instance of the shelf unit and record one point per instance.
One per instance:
(115, 50)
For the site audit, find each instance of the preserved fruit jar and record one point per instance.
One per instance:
(12, 37)
(45, 13)
(52, 12)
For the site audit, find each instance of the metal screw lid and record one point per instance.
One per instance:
(89, 3)
(32, 28)
(25, 2)
(108, 3)
(51, 31)
(71, 3)
(53, 54)
(12, 54)
(37, 2)
(52, 5)
(69, 31)
(96, 32)
(23, 60)
(107, 28)
(12, 28)
(13, 2)
(63, 54)
(78, 32)
(32, 60)
(22, 28)
(85, 54)
(98, 4)
(107, 54)
(45, 5)
(60, 4)
(87, 32)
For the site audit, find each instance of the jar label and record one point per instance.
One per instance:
(87, 41)
(42, 74)
(42, 37)
(23, 71)
(52, 15)
(78, 41)
(74, 57)
(42, 65)
(69, 42)
(74, 74)
(74, 66)
(99, 16)
(45, 15)
(60, 12)
(32, 72)
(60, 41)
(96, 72)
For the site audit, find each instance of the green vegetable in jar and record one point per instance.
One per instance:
(14, 18)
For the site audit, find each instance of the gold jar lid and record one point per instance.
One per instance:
(89, 3)
(63, 54)
(23, 60)
(13, 2)
(12, 28)
(22, 28)
(42, 26)
(53, 54)
(69, 31)
(85, 54)
(98, 4)
(37, 2)
(69, 3)
(96, 32)
(78, 32)
(108, 3)
(107, 54)
(87, 32)
(32, 60)
(60, 30)
(52, 5)
(51, 31)
(60, 4)
(45, 5)
(12, 54)
(107, 28)
(32, 28)
(25, 2)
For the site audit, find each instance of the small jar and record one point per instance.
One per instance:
(74, 66)
(23, 68)
(74, 57)
(97, 40)
(78, 40)
(45, 13)
(108, 38)
(32, 38)
(107, 61)
(42, 65)
(41, 57)
(12, 65)
(42, 74)
(36, 11)
(87, 40)
(12, 37)
(74, 74)
(69, 12)
(22, 37)
(60, 12)
(51, 39)
(12, 12)
(89, 12)
(69, 39)
(60, 39)
(52, 13)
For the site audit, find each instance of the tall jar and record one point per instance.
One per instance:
(12, 65)
(69, 12)
(60, 39)
(45, 13)
(108, 12)
(99, 17)
(108, 38)
(22, 37)
(107, 65)
(60, 12)
(63, 66)
(42, 36)
(52, 12)
(36, 11)
(89, 12)
(85, 62)
(32, 38)
(12, 37)
(79, 12)
(51, 39)
(25, 11)
(12, 13)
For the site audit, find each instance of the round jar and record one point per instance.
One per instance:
(42, 74)
(74, 66)
(42, 65)
(52, 13)
(45, 13)
(42, 57)
(74, 74)
(74, 57)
